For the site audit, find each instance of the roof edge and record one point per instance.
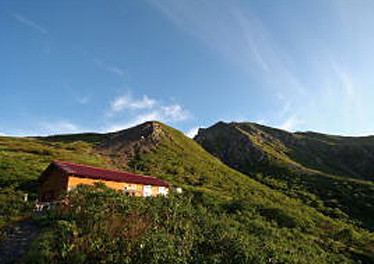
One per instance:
(60, 165)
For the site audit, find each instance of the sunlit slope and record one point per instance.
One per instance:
(183, 162)
(285, 227)
(309, 166)
(346, 156)
(23, 159)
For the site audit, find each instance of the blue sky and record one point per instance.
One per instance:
(73, 66)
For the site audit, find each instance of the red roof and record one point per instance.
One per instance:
(86, 171)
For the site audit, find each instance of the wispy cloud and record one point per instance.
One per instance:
(142, 110)
(344, 78)
(250, 40)
(232, 35)
(238, 35)
(191, 133)
(30, 23)
(285, 103)
(83, 100)
(291, 123)
(58, 127)
(110, 68)
(344, 96)
(286, 108)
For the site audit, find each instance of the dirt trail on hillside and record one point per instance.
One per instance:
(19, 237)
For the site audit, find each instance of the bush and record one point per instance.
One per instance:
(12, 206)
(280, 217)
(100, 225)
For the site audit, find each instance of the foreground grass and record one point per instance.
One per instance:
(99, 225)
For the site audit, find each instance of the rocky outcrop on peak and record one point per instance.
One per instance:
(126, 144)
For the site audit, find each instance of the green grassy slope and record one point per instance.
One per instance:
(21, 162)
(183, 162)
(23, 159)
(344, 156)
(279, 228)
(301, 165)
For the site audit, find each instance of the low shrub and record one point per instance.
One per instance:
(99, 225)
(12, 207)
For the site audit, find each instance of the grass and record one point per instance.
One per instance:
(305, 166)
(233, 212)
(104, 226)
(21, 162)
(182, 161)
(23, 159)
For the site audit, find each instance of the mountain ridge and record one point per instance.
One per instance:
(291, 230)
(314, 167)
(296, 141)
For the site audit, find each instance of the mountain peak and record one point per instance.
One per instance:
(125, 144)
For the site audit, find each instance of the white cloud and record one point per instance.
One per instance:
(29, 23)
(173, 113)
(127, 102)
(192, 132)
(142, 110)
(291, 123)
(110, 68)
(153, 116)
(259, 121)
